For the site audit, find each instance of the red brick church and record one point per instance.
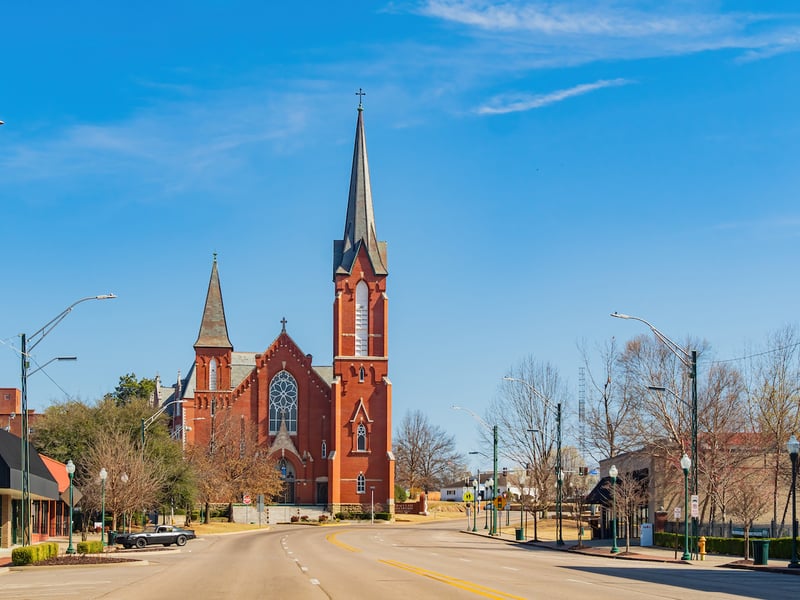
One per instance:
(328, 427)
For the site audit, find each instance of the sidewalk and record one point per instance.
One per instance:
(602, 548)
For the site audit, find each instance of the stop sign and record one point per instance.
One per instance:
(246, 499)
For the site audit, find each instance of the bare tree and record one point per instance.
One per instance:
(727, 441)
(748, 499)
(609, 405)
(526, 413)
(774, 394)
(425, 455)
(234, 465)
(630, 492)
(133, 482)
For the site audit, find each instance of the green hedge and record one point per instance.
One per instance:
(26, 555)
(778, 547)
(352, 516)
(93, 547)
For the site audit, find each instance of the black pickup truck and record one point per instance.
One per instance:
(158, 534)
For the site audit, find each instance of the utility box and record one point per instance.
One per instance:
(646, 534)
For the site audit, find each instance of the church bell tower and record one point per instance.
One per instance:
(362, 467)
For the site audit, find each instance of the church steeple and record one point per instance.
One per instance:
(213, 327)
(359, 227)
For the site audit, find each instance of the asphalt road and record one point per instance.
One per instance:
(385, 562)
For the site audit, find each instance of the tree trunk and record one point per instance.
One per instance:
(747, 542)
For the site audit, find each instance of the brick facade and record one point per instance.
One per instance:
(333, 432)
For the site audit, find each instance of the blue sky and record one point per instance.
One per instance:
(535, 166)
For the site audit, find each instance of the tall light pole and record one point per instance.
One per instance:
(613, 472)
(689, 360)
(493, 530)
(558, 471)
(475, 504)
(372, 504)
(103, 477)
(71, 473)
(124, 479)
(27, 344)
(793, 446)
(145, 424)
(686, 464)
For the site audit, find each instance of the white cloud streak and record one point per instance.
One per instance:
(503, 105)
(580, 31)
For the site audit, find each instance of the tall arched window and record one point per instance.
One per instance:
(324, 452)
(362, 319)
(361, 443)
(212, 375)
(361, 484)
(283, 402)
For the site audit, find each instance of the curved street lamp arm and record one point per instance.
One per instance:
(474, 416)
(531, 387)
(683, 355)
(38, 336)
(151, 419)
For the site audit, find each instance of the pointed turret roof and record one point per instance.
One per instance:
(213, 328)
(359, 226)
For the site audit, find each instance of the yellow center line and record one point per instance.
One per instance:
(453, 581)
(331, 537)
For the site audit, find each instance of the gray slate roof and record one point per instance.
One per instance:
(213, 328)
(359, 227)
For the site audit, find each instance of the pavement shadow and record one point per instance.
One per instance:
(694, 581)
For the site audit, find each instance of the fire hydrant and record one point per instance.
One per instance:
(701, 547)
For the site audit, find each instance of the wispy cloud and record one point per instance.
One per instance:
(504, 104)
(169, 147)
(582, 31)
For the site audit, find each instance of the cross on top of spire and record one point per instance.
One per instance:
(360, 93)
(283, 325)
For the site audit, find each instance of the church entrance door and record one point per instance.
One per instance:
(322, 492)
(287, 474)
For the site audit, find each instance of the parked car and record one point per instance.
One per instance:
(158, 534)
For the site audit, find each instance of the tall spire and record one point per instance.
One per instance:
(213, 328)
(359, 226)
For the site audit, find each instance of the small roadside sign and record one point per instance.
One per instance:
(695, 506)
(677, 513)
(246, 499)
(468, 497)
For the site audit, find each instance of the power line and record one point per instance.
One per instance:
(770, 351)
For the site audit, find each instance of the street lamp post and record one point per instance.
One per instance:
(689, 360)
(793, 446)
(558, 470)
(103, 477)
(372, 504)
(494, 484)
(493, 530)
(613, 472)
(686, 464)
(124, 479)
(71, 473)
(145, 424)
(27, 344)
(475, 504)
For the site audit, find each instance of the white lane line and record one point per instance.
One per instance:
(314, 581)
(510, 569)
(579, 581)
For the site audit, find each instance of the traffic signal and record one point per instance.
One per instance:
(505, 472)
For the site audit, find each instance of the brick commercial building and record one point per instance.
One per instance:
(328, 427)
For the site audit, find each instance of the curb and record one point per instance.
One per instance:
(131, 562)
(745, 567)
